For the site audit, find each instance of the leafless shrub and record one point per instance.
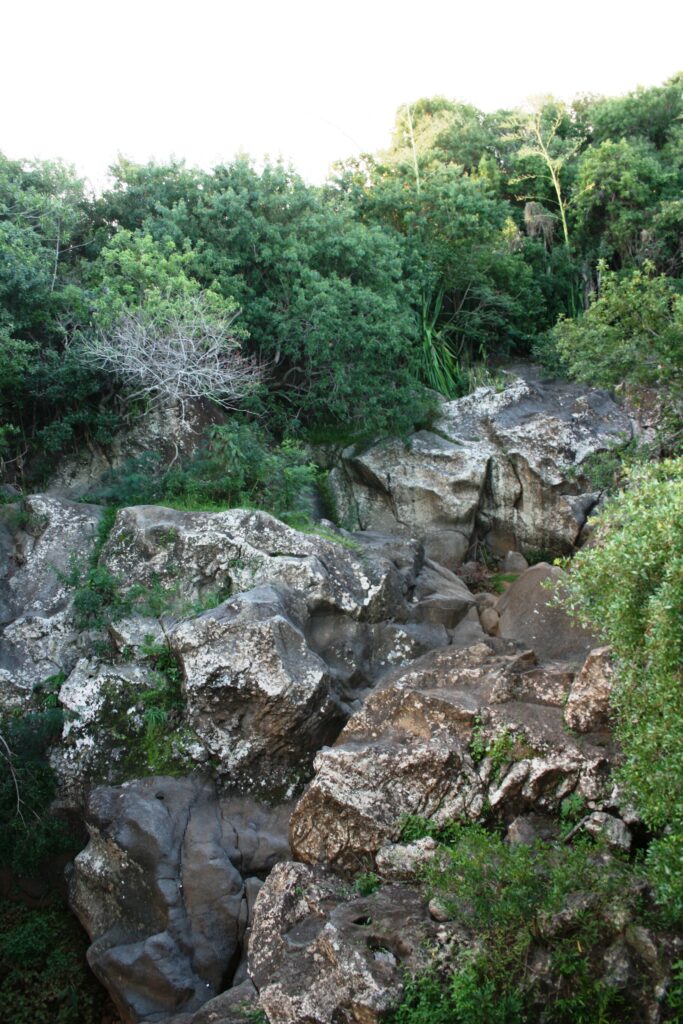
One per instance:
(175, 354)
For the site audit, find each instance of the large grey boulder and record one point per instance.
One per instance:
(451, 736)
(165, 889)
(503, 466)
(38, 637)
(195, 557)
(257, 696)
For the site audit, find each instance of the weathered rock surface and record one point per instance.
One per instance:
(195, 556)
(38, 637)
(166, 887)
(320, 953)
(269, 674)
(529, 613)
(588, 703)
(256, 695)
(445, 737)
(495, 465)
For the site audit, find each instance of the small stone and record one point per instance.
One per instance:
(437, 910)
(613, 830)
(489, 619)
(514, 561)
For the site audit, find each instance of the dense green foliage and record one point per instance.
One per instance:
(629, 587)
(463, 242)
(43, 971)
(29, 834)
(240, 464)
(507, 897)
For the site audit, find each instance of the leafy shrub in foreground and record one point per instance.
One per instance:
(514, 901)
(628, 587)
(43, 971)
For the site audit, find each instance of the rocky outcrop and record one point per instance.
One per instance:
(44, 541)
(166, 888)
(321, 953)
(499, 466)
(270, 673)
(455, 735)
(195, 557)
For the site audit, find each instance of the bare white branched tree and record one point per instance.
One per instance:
(175, 353)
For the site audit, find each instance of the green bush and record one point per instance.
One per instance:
(29, 834)
(628, 587)
(44, 976)
(504, 896)
(240, 465)
(632, 334)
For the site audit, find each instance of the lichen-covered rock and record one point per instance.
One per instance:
(529, 613)
(502, 465)
(165, 890)
(320, 953)
(445, 737)
(195, 556)
(258, 697)
(398, 862)
(38, 637)
(105, 732)
(588, 703)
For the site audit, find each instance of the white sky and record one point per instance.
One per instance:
(309, 80)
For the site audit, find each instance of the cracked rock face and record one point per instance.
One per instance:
(195, 555)
(496, 465)
(257, 696)
(166, 888)
(38, 637)
(443, 738)
(321, 953)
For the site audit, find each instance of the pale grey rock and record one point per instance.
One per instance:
(104, 728)
(399, 862)
(609, 828)
(165, 889)
(440, 596)
(530, 614)
(257, 696)
(468, 631)
(495, 464)
(588, 702)
(195, 556)
(38, 637)
(514, 561)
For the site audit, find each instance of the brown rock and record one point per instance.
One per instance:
(529, 614)
(588, 704)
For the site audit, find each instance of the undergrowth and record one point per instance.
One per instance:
(29, 833)
(44, 976)
(516, 900)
